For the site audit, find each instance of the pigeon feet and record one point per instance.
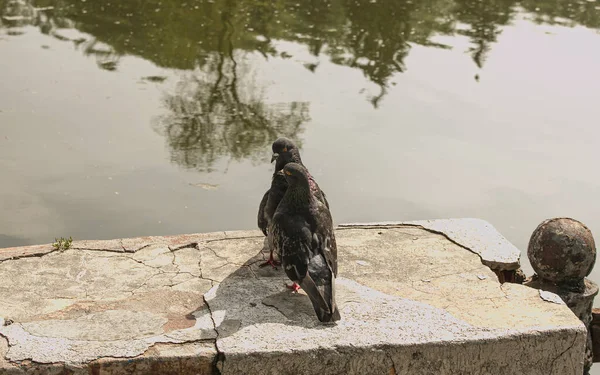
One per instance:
(294, 287)
(272, 262)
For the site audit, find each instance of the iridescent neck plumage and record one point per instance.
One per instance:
(298, 195)
(292, 156)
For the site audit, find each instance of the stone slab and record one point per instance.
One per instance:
(412, 302)
(476, 235)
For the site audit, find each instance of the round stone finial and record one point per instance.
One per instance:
(562, 250)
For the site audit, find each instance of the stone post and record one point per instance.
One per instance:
(562, 253)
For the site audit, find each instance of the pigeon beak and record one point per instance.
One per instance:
(274, 157)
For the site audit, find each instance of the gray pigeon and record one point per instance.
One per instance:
(284, 151)
(302, 234)
(267, 208)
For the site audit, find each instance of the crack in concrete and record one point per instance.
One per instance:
(191, 245)
(563, 352)
(503, 291)
(222, 265)
(125, 250)
(94, 249)
(125, 256)
(403, 225)
(134, 250)
(23, 364)
(27, 364)
(228, 262)
(449, 274)
(395, 226)
(133, 291)
(53, 250)
(251, 270)
(128, 256)
(5, 339)
(217, 255)
(171, 284)
(33, 255)
(227, 238)
(212, 281)
(219, 361)
(393, 369)
(276, 308)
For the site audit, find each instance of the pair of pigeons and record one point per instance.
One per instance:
(294, 215)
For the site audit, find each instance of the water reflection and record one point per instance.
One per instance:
(564, 12)
(210, 118)
(369, 35)
(53, 20)
(484, 20)
(217, 109)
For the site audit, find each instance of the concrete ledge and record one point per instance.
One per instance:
(413, 301)
(475, 235)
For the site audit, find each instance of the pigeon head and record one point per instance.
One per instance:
(296, 174)
(284, 151)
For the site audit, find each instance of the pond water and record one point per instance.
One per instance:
(146, 117)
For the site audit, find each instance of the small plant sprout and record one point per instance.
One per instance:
(62, 243)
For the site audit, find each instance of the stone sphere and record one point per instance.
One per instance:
(562, 250)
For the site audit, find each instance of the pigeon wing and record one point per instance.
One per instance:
(263, 223)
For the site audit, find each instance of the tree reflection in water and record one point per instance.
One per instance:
(216, 110)
(210, 118)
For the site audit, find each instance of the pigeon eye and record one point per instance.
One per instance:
(288, 173)
(285, 149)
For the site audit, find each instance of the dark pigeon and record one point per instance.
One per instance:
(267, 208)
(284, 151)
(271, 200)
(302, 235)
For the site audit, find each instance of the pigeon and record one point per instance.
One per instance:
(284, 151)
(302, 234)
(267, 208)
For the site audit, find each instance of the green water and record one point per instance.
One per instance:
(129, 118)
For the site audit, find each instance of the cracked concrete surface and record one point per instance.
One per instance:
(475, 235)
(412, 302)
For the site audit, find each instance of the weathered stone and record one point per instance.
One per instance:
(476, 235)
(164, 359)
(580, 304)
(26, 251)
(412, 302)
(102, 245)
(102, 304)
(562, 250)
(511, 276)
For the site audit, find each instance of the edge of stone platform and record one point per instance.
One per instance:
(471, 234)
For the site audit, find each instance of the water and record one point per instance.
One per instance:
(131, 118)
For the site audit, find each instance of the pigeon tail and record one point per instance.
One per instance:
(321, 307)
(336, 315)
(329, 295)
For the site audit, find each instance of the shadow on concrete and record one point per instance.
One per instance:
(252, 296)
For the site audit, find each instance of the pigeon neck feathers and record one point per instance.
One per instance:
(298, 196)
(292, 156)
